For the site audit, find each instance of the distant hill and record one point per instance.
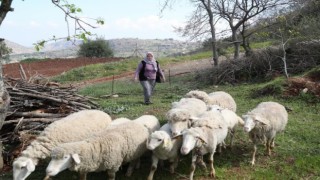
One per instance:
(17, 48)
(125, 47)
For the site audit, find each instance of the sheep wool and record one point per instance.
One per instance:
(263, 123)
(74, 127)
(220, 98)
(179, 115)
(106, 151)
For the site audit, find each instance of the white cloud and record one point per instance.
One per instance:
(126, 23)
(52, 24)
(34, 24)
(148, 23)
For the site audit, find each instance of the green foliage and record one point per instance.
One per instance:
(29, 60)
(4, 49)
(95, 48)
(272, 88)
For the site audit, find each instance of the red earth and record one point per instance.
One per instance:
(51, 67)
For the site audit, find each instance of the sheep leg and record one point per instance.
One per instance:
(83, 175)
(270, 145)
(200, 162)
(131, 167)
(193, 165)
(174, 164)
(138, 164)
(212, 170)
(232, 131)
(111, 174)
(153, 167)
(254, 154)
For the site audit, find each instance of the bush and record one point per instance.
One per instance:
(95, 48)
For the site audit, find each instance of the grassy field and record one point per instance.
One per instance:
(296, 154)
(297, 151)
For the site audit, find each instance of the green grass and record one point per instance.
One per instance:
(115, 68)
(297, 151)
(296, 155)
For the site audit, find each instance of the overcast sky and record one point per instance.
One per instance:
(34, 20)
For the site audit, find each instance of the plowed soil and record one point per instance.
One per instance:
(53, 67)
(50, 67)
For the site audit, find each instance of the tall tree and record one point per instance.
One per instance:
(200, 24)
(70, 11)
(237, 13)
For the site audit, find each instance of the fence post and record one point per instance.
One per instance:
(169, 78)
(112, 85)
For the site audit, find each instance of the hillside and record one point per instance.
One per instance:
(17, 48)
(124, 47)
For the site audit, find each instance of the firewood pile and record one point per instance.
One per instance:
(35, 104)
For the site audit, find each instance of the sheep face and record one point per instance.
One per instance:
(214, 108)
(190, 141)
(249, 123)
(178, 126)
(178, 120)
(22, 168)
(156, 139)
(57, 165)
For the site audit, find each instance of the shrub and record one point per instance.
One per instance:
(95, 48)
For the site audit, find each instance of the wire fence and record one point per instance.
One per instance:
(173, 74)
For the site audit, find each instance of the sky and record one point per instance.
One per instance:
(35, 20)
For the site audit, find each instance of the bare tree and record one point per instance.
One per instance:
(200, 24)
(70, 11)
(237, 13)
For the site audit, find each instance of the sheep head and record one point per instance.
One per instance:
(251, 120)
(158, 138)
(178, 120)
(191, 138)
(57, 165)
(23, 167)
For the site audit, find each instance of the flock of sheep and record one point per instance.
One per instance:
(90, 141)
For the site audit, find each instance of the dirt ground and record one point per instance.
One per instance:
(54, 67)
(51, 67)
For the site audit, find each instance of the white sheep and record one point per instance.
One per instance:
(263, 122)
(163, 148)
(220, 98)
(149, 121)
(74, 127)
(119, 121)
(179, 115)
(230, 117)
(202, 138)
(105, 151)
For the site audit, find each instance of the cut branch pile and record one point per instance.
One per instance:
(34, 106)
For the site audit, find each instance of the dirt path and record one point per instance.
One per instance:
(172, 69)
(54, 67)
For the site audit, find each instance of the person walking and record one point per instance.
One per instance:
(146, 73)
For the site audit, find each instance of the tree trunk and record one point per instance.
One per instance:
(1, 158)
(236, 44)
(215, 56)
(4, 105)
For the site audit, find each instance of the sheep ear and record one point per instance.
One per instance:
(30, 166)
(177, 136)
(244, 116)
(76, 158)
(202, 140)
(165, 142)
(191, 120)
(240, 120)
(261, 120)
